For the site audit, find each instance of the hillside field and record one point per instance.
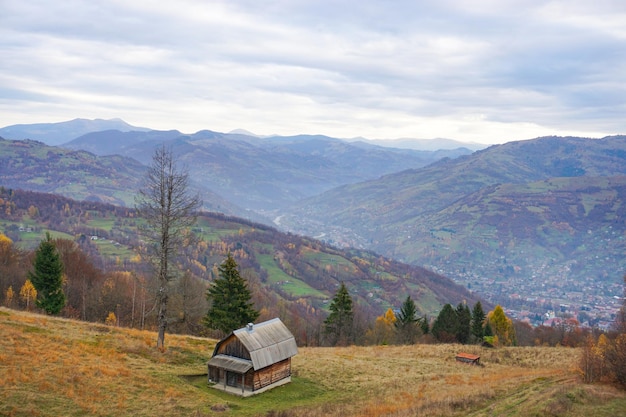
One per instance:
(51, 367)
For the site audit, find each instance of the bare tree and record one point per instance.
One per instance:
(169, 209)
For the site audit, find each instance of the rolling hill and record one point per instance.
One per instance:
(115, 179)
(264, 174)
(238, 173)
(295, 269)
(531, 224)
(505, 220)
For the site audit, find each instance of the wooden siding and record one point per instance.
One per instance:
(232, 346)
(271, 374)
(253, 358)
(253, 380)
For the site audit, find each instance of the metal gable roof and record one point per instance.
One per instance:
(268, 342)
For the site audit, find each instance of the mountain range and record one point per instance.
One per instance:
(534, 224)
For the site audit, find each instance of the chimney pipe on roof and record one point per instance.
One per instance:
(250, 327)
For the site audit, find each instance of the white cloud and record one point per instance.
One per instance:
(478, 70)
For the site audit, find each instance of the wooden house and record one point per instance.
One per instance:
(468, 358)
(253, 359)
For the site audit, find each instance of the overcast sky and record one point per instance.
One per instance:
(471, 70)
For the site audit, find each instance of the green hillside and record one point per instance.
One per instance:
(81, 175)
(294, 269)
(521, 215)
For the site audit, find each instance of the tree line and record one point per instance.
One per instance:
(406, 326)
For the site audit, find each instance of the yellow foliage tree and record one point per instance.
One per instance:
(502, 327)
(6, 248)
(8, 300)
(111, 320)
(384, 329)
(33, 211)
(28, 293)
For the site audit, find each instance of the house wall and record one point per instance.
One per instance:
(233, 347)
(271, 374)
(256, 380)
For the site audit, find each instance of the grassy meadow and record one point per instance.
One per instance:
(58, 367)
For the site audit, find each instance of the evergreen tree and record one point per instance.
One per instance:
(488, 330)
(47, 277)
(338, 324)
(478, 321)
(229, 296)
(446, 324)
(407, 323)
(463, 327)
(424, 325)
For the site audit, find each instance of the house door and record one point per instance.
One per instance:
(233, 379)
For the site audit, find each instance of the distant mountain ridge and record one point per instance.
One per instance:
(434, 144)
(62, 132)
(264, 174)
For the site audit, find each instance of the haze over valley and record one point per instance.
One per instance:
(535, 225)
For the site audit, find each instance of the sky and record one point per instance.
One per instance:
(486, 71)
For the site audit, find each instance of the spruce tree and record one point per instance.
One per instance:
(463, 327)
(446, 324)
(47, 277)
(229, 297)
(407, 322)
(478, 321)
(338, 324)
(424, 325)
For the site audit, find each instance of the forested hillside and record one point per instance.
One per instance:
(529, 224)
(81, 175)
(264, 174)
(292, 277)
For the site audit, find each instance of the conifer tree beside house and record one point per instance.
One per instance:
(47, 277)
(229, 297)
(338, 324)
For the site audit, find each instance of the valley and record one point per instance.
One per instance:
(535, 225)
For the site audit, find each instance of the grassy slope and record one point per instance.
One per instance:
(51, 366)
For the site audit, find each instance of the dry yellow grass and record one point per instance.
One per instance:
(52, 367)
(410, 380)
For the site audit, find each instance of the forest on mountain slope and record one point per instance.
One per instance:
(291, 277)
(543, 218)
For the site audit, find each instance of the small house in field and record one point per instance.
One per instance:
(253, 359)
(468, 358)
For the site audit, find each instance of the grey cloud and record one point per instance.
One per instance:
(344, 65)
